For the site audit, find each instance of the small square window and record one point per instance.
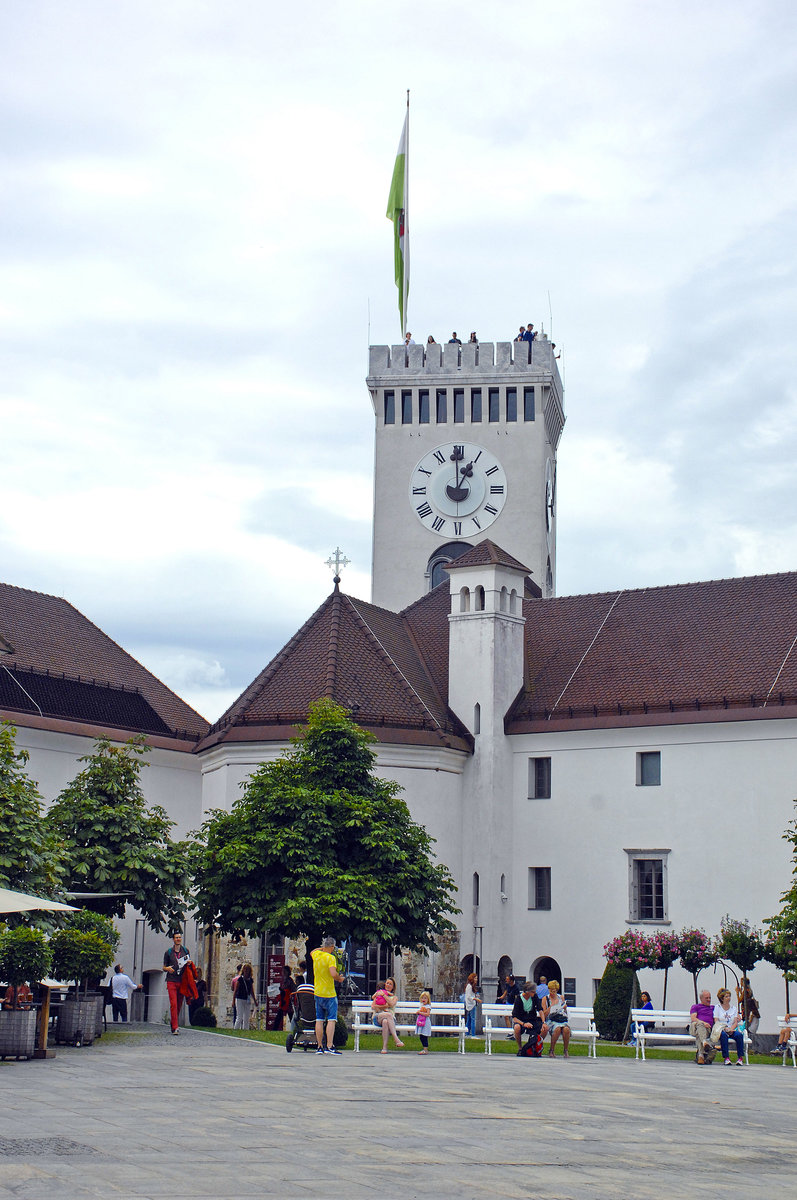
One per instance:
(539, 779)
(648, 768)
(540, 887)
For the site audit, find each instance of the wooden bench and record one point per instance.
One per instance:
(447, 1018)
(670, 1019)
(581, 1021)
(791, 1045)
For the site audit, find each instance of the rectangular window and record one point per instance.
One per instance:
(459, 406)
(442, 407)
(390, 408)
(647, 885)
(539, 779)
(406, 408)
(540, 887)
(648, 768)
(511, 404)
(423, 406)
(476, 405)
(528, 404)
(492, 404)
(569, 986)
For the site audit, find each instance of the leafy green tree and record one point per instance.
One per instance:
(79, 956)
(25, 956)
(696, 953)
(741, 945)
(781, 946)
(112, 842)
(30, 859)
(318, 843)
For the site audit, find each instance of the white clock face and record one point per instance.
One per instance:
(550, 498)
(457, 489)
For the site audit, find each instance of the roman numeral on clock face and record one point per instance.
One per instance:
(496, 489)
(438, 454)
(491, 471)
(424, 510)
(421, 491)
(437, 524)
(457, 527)
(491, 509)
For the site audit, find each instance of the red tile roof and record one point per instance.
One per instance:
(727, 643)
(484, 554)
(717, 648)
(95, 676)
(360, 655)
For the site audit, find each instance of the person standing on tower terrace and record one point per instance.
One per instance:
(473, 339)
(529, 335)
(454, 340)
(521, 337)
(121, 984)
(325, 972)
(409, 340)
(175, 960)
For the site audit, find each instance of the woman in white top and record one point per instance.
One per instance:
(726, 1022)
(471, 1000)
(556, 1018)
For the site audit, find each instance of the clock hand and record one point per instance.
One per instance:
(460, 492)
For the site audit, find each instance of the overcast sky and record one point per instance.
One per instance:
(194, 240)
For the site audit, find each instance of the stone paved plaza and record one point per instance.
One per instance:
(209, 1116)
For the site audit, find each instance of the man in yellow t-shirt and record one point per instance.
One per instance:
(325, 972)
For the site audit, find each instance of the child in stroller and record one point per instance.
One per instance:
(302, 1030)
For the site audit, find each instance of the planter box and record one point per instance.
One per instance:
(18, 1033)
(77, 1020)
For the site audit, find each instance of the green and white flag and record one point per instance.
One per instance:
(397, 213)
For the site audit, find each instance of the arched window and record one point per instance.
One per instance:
(513, 601)
(464, 599)
(442, 556)
(504, 600)
(477, 718)
(479, 599)
(475, 889)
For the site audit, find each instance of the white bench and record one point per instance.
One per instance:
(441, 1019)
(792, 1042)
(581, 1022)
(669, 1018)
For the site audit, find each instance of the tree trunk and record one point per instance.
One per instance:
(664, 1002)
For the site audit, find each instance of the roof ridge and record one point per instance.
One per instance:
(669, 587)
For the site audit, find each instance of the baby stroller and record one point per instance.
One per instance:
(302, 1030)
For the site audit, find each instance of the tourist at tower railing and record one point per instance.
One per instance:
(530, 334)
(454, 340)
(409, 340)
(521, 332)
(430, 341)
(473, 340)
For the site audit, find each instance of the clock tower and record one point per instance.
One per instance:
(466, 440)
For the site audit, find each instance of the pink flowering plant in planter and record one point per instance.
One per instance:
(666, 948)
(695, 953)
(631, 949)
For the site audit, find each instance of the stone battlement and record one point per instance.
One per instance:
(484, 358)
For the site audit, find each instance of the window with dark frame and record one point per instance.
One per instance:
(648, 768)
(476, 405)
(493, 413)
(539, 779)
(528, 404)
(648, 889)
(540, 888)
(423, 406)
(511, 404)
(442, 406)
(459, 406)
(406, 408)
(390, 408)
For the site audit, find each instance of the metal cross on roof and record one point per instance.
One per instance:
(337, 562)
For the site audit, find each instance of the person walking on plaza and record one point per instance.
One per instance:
(325, 973)
(244, 997)
(175, 960)
(121, 985)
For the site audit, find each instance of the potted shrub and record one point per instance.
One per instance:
(79, 957)
(24, 958)
(86, 921)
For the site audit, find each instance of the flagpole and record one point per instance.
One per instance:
(406, 278)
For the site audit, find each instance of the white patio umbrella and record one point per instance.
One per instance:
(14, 902)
